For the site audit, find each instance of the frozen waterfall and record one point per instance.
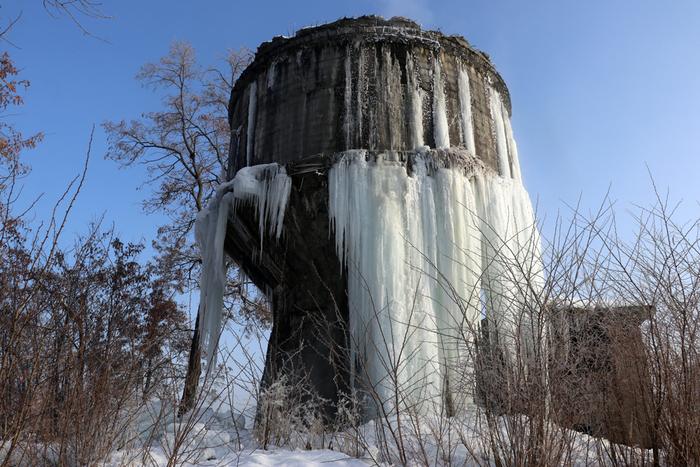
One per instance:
(428, 253)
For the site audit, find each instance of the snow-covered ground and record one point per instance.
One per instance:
(220, 440)
(210, 438)
(251, 457)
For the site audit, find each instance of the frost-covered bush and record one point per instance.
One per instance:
(290, 414)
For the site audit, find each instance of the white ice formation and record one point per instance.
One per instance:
(266, 187)
(465, 107)
(442, 134)
(416, 104)
(426, 253)
(252, 111)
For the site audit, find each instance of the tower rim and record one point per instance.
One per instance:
(369, 29)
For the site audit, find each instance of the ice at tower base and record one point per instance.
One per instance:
(376, 199)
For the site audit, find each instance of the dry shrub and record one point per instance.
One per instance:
(601, 366)
(290, 414)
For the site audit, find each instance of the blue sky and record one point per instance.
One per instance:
(600, 89)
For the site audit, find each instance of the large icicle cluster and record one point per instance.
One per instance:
(427, 253)
(430, 252)
(267, 188)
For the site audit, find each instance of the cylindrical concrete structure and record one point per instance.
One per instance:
(365, 83)
(395, 155)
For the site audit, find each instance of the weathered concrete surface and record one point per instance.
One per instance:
(600, 377)
(348, 85)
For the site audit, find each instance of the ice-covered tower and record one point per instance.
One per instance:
(376, 199)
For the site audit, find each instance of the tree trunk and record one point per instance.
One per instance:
(194, 371)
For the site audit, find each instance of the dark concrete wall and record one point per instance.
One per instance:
(346, 85)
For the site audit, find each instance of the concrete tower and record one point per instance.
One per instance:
(374, 181)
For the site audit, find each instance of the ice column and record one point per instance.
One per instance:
(348, 120)
(415, 96)
(465, 105)
(495, 106)
(512, 146)
(511, 256)
(440, 127)
(250, 133)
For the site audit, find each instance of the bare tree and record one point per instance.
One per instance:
(76, 11)
(184, 146)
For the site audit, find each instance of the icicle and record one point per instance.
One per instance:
(250, 133)
(495, 105)
(512, 272)
(271, 75)
(512, 147)
(441, 131)
(465, 104)
(358, 94)
(392, 84)
(210, 232)
(416, 99)
(348, 123)
(267, 187)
